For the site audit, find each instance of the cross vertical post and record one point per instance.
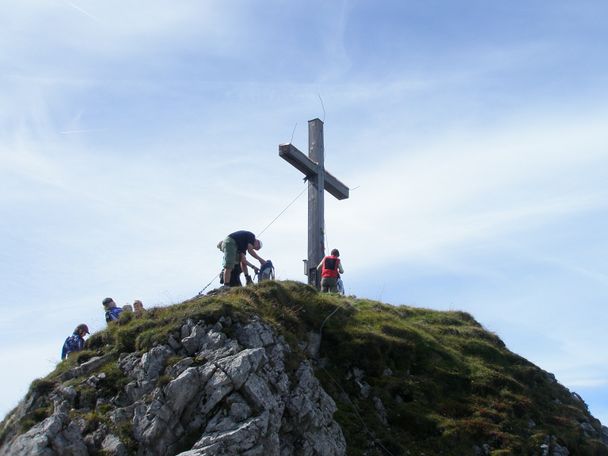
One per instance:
(319, 180)
(316, 201)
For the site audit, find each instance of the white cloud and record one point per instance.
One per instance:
(117, 28)
(466, 189)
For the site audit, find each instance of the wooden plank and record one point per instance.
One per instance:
(298, 160)
(316, 204)
(335, 187)
(306, 166)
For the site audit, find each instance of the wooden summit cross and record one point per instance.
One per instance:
(318, 180)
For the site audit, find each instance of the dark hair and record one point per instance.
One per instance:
(82, 327)
(107, 301)
(335, 252)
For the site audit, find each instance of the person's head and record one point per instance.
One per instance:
(127, 308)
(108, 303)
(257, 244)
(138, 306)
(335, 252)
(82, 329)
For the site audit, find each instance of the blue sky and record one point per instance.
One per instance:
(134, 136)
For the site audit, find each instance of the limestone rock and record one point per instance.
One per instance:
(224, 395)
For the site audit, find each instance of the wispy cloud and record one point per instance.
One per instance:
(82, 11)
(462, 189)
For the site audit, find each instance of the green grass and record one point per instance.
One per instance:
(445, 382)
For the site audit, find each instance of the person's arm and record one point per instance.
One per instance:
(254, 254)
(340, 268)
(255, 268)
(320, 265)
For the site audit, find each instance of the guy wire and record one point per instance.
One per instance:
(293, 133)
(322, 106)
(281, 213)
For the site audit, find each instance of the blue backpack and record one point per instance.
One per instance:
(113, 314)
(266, 272)
(72, 344)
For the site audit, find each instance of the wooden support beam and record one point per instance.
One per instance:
(306, 166)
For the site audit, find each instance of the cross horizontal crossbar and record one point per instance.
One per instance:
(310, 169)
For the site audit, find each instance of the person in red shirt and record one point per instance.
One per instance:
(330, 268)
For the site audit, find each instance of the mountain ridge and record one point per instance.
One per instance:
(279, 368)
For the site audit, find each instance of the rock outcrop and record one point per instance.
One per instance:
(203, 393)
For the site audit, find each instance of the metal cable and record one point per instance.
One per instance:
(281, 213)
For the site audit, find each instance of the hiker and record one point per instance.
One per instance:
(138, 308)
(235, 248)
(112, 311)
(75, 342)
(127, 308)
(330, 268)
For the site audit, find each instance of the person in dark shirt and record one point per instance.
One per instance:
(235, 248)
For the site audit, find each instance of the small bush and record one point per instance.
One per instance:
(34, 417)
(164, 380)
(86, 397)
(114, 381)
(42, 386)
(125, 433)
(98, 340)
(84, 356)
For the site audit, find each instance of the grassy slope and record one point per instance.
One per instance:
(444, 382)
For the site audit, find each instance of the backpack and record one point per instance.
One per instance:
(235, 276)
(266, 272)
(113, 314)
(340, 286)
(72, 344)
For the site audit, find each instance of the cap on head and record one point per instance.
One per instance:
(107, 301)
(82, 328)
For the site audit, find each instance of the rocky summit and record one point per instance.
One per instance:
(280, 369)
